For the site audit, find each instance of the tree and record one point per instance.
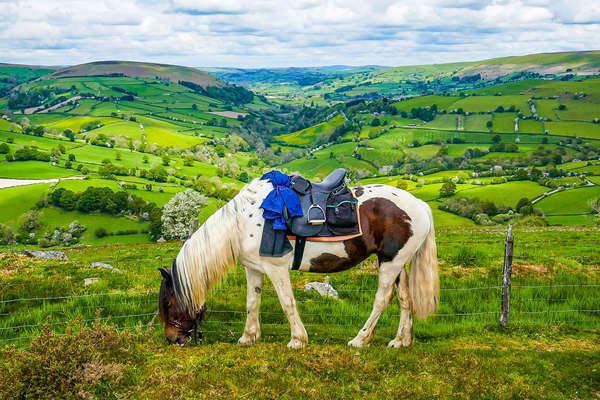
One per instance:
(496, 139)
(188, 160)
(29, 221)
(220, 149)
(71, 157)
(489, 125)
(4, 149)
(166, 160)
(178, 213)
(118, 156)
(447, 189)
(375, 122)
(145, 158)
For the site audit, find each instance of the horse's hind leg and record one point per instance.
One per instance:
(388, 272)
(404, 337)
(254, 283)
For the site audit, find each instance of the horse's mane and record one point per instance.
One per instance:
(208, 254)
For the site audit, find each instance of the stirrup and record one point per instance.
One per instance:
(315, 221)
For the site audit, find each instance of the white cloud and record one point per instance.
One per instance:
(291, 33)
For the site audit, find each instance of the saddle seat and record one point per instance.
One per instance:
(332, 181)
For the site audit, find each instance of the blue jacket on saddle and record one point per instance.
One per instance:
(281, 195)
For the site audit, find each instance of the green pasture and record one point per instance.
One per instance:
(579, 129)
(33, 170)
(14, 201)
(572, 201)
(322, 166)
(54, 217)
(443, 102)
(477, 122)
(447, 121)
(42, 143)
(490, 103)
(579, 110)
(422, 152)
(431, 192)
(504, 122)
(547, 108)
(129, 159)
(381, 157)
(77, 123)
(505, 193)
(530, 126)
(513, 88)
(309, 135)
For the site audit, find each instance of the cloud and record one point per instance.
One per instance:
(270, 33)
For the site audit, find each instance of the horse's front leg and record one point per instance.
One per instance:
(254, 283)
(280, 277)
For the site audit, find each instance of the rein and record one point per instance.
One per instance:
(194, 332)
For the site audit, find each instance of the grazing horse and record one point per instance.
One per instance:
(396, 226)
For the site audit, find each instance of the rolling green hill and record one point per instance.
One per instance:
(133, 69)
(153, 130)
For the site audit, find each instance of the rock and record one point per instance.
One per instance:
(89, 281)
(324, 289)
(48, 255)
(103, 265)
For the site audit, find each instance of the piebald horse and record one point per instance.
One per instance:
(396, 226)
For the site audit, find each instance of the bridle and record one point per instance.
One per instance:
(194, 331)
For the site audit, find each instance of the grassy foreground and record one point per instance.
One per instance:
(494, 363)
(551, 349)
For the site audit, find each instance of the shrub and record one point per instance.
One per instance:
(531, 220)
(447, 189)
(29, 221)
(178, 213)
(482, 219)
(4, 149)
(78, 364)
(100, 232)
(7, 234)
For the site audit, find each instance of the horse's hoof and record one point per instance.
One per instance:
(247, 340)
(395, 343)
(295, 344)
(356, 342)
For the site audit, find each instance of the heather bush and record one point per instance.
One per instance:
(77, 365)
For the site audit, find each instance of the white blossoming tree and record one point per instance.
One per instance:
(179, 212)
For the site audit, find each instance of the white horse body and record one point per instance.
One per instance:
(234, 233)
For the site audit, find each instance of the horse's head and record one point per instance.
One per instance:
(181, 326)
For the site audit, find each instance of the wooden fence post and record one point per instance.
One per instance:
(506, 277)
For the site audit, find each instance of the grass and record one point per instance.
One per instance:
(19, 200)
(573, 201)
(506, 193)
(310, 135)
(33, 170)
(579, 129)
(453, 356)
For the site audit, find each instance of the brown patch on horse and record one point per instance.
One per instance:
(359, 191)
(386, 229)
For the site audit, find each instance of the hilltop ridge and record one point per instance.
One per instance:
(134, 69)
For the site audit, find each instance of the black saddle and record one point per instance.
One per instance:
(328, 207)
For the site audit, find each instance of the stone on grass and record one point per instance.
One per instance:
(324, 289)
(89, 281)
(48, 255)
(103, 265)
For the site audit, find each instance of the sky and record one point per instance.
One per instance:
(282, 33)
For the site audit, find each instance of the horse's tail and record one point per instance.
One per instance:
(424, 285)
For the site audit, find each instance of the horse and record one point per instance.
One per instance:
(396, 227)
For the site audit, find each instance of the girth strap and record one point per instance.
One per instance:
(298, 252)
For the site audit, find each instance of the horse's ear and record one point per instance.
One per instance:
(165, 274)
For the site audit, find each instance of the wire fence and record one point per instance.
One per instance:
(570, 299)
(573, 304)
